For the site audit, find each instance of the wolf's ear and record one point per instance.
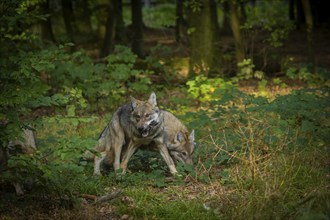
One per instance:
(179, 136)
(152, 99)
(133, 102)
(192, 136)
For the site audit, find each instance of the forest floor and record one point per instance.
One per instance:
(295, 47)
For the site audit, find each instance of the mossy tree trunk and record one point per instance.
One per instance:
(236, 29)
(204, 57)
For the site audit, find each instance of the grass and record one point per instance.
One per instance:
(248, 165)
(166, 203)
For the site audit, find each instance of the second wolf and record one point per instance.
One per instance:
(143, 123)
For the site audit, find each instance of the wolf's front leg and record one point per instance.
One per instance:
(131, 148)
(168, 159)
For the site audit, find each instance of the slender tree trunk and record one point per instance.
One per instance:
(110, 31)
(86, 18)
(179, 20)
(241, 6)
(291, 10)
(137, 23)
(68, 18)
(121, 36)
(235, 26)
(226, 20)
(214, 18)
(300, 13)
(46, 26)
(309, 28)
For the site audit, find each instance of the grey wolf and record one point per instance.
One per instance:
(142, 123)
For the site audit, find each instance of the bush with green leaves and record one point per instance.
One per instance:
(246, 71)
(204, 89)
(161, 16)
(303, 73)
(21, 88)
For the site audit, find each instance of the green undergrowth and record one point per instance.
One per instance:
(255, 159)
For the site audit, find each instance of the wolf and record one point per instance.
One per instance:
(177, 139)
(142, 123)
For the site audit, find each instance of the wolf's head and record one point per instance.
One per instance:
(183, 147)
(145, 115)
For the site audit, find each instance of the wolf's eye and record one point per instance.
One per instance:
(147, 115)
(184, 154)
(137, 117)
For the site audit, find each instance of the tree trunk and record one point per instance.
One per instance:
(226, 21)
(235, 26)
(137, 25)
(68, 18)
(214, 18)
(179, 20)
(243, 16)
(291, 10)
(110, 31)
(309, 27)
(300, 14)
(121, 36)
(46, 26)
(201, 40)
(86, 18)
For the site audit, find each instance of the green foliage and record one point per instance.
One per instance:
(270, 16)
(161, 63)
(122, 75)
(246, 71)
(17, 17)
(304, 74)
(21, 88)
(255, 158)
(160, 16)
(56, 169)
(204, 89)
(194, 5)
(260, 149)
(77, 79)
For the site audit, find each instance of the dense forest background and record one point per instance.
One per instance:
(251, 77)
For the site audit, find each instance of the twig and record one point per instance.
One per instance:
(108, 197)
(101, 199)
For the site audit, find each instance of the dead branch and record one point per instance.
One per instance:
(100, 199)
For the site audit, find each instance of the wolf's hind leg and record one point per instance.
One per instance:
(97, 163)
